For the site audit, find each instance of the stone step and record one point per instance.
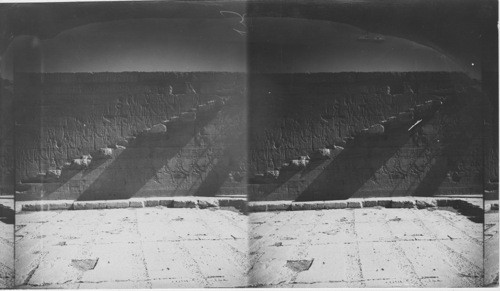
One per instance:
(463, 204)
(170, 202)
(403, 118)
(84, 162)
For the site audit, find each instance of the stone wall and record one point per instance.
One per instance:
(336, 136)
(310, 136)
(62, 117)
(6, 139)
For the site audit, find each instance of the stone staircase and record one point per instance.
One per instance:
(85, 162)
(413, 116)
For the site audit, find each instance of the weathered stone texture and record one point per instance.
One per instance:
(187, 203)
(335, 205)
(203, 150)
(300, 114)
(6, 138)
(158, 128)
(105, 115)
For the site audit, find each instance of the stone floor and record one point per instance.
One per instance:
(491, 247)
(161, 247)
(131, 248)
(6, 255)
(366, 247)
(6, 244)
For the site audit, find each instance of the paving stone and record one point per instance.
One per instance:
(369, 203)
(31, 207)
(207, 203)
(384, 203)
(320, 205)
(278, 206)
(167, 202)
(48, 270)
(402, 204)
(202, 204)
(335, 204)
(60, 205)
(233, 202)
(354, 204)
(298, 206)
(94, 205)
(179, 204)
(420, 204)
(443, 202)
(257, 207)
(136, 202)
(79, 205)
(117, 204)
(185, 203)
(151, 202)
(305, 205)
(458, 203)
(312, 205)
(46, 205)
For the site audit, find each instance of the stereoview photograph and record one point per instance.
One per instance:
(233, 143)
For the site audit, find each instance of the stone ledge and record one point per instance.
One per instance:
(207, 202)
(49, 205)
(185, 203)
(278, 205)
(151, 202)
(167, 202)
(402, 204)
(238, 203)
(397, 202)
(137, 203)
(255, 206)
(354, 204)
(335, 204)
(313, 205)
(117, 204)
(170, 202)
(369, 203)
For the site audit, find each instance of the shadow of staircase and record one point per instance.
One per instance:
(340, 175)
